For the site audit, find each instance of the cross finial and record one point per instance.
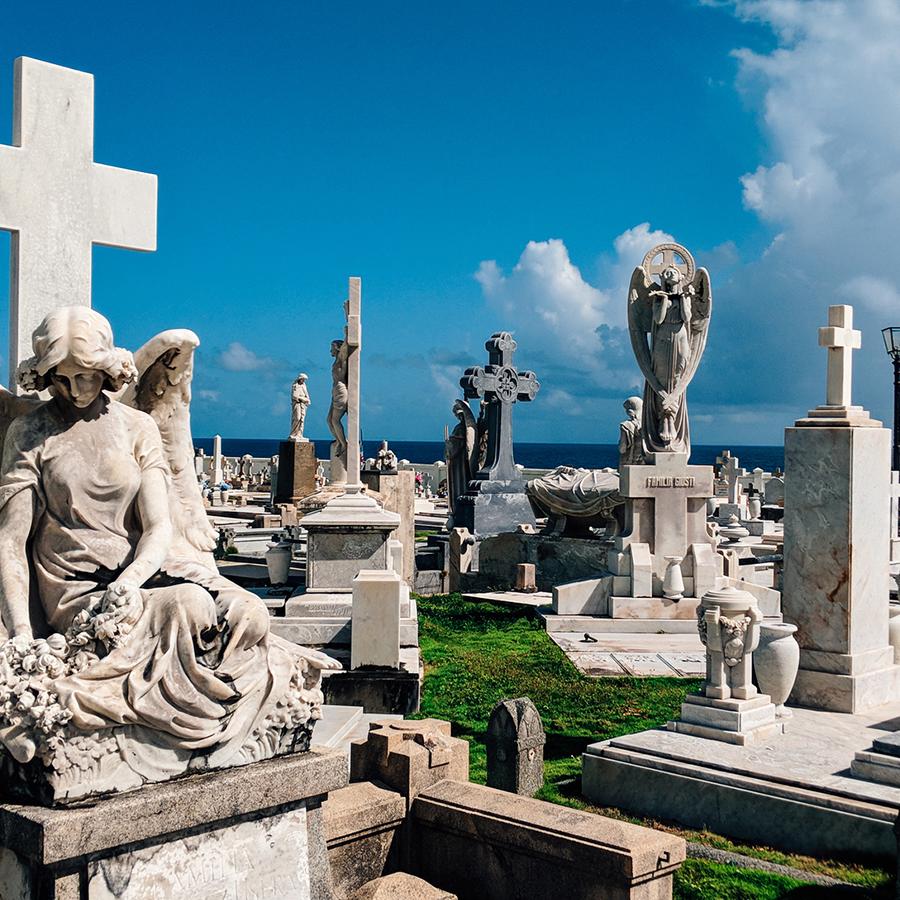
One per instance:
(841, 339)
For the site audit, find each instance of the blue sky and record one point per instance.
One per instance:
(488, 166)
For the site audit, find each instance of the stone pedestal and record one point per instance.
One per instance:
(296, 471)
(398, 494)
(348, 535)
(493, 507)
(665, 519)
(729, 706)
(375, 638)
(253, 831)
(734, 721)
(836, 560)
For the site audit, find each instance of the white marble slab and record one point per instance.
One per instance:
(264, 858)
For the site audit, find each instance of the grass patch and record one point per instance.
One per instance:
(426, 533)
(700, 879)
(479, 653)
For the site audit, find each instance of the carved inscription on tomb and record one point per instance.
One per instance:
(669, 481)
(268, 858)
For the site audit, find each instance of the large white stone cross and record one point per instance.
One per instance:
(841, 340)
(57, 201)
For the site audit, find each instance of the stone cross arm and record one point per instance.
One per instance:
(503, 383)
(57, 201)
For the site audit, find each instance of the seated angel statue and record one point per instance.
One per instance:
(125, 656)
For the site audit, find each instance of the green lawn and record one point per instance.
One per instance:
(479, 653)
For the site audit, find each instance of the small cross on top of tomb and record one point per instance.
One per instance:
(841, 339)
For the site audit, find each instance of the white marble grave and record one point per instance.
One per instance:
(837, 542)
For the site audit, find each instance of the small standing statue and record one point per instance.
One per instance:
(674, 312)
(299, 404)
(631, 447)
(339, 399)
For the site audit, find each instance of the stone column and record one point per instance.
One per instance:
(217, 461)
(837, 491)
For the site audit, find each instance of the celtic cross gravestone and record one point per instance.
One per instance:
(495, 501)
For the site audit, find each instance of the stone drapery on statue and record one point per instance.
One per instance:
(577, 499)
(669, 305)
(134, 661)
(463, 452)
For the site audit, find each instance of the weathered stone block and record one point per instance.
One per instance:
(479, 842)
(258, 825)
(515, 747)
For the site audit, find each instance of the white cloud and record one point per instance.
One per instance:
(238, 358)
(208, 395)
(828, 186)
(545, 292)
(876, 293)
(556, 314)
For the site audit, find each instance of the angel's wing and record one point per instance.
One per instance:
(11, 407)
(640, 320)
(165, 367)
(701, 308)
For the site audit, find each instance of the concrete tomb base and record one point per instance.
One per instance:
(794, 792)
(253, 831)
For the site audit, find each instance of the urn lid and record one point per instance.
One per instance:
(729, 598)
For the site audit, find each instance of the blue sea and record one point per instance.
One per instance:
(532, 456)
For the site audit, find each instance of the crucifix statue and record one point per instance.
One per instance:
(499, 385)
(345, 394)
(58, 202)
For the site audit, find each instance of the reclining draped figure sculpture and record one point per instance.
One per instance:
(125, 657)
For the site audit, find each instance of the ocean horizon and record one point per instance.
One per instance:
(530, 455)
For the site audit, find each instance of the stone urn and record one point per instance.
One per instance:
(894, 629)
(278, 562)
(776, 662)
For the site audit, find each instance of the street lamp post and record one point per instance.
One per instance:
(892, 345)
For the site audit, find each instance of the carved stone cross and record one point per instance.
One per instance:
(499, 384)
(733, 473)
(58, 202)
(841, 340)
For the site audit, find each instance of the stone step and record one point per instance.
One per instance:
(600, 625)
(337, 725)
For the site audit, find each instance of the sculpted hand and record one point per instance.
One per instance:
(125, 598)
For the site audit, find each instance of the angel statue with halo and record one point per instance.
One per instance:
(674, 313)
(125, 657)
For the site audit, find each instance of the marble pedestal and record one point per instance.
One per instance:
(665, 518)
(297, 466)
(836, 560)
(349, 534)
(257, 831)
(493, 507)
(733, 721)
